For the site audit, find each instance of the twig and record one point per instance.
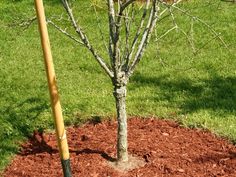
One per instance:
(85, 40)
(201, 21)
(24, 23)
(130, 54)
(192, 37)
(163, 35)
(145, 37)
(65, 32)
(189, 39)
(100, 29)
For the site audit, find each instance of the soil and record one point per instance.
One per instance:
(167, 149)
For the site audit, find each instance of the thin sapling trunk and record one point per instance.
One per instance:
(122, 145)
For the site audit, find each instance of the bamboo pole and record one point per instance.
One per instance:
(55, 101)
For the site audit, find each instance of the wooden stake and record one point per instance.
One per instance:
(51, 77)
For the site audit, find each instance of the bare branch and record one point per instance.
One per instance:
(172, 16)
(188, 38)
(114, 36)
(205, 44)
(145, 37)
(100, 29)
(182, 31)
(65, 32)
(191, 36)
(85, 40)
(111, 16)
(163, 35)
(201, 21)
(166, 9)
(127, 23)
(23, 23)
(126, 4)
(130, 54)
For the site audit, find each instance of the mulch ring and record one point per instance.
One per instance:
(167, 149)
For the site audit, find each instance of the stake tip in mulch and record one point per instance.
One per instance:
(66, 168)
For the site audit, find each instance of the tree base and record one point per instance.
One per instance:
(132, 163)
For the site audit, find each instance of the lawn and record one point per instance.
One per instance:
(198, 90)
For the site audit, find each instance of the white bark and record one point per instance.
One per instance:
(122, 143)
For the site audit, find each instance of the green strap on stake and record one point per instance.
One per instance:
(66, 168)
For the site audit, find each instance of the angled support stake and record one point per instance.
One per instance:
(55, 101)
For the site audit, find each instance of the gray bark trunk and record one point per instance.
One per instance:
(122, 145)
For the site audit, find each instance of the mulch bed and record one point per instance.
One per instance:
(167, 148)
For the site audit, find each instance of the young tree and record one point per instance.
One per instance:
(122, 64)
(126, 45)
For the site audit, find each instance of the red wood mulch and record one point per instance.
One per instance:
(167, 148)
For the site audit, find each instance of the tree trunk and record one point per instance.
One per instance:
(122, 145)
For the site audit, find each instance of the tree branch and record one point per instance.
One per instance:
(130, 54)
(65, 32)
(128, 22)
(165, 33)
(23, 23)
(201, 21)
(145, 38)
(85, 40)
(126, 4)
(100, 28)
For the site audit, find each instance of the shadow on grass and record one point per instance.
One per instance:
(20, 117)
(18, 120)
(216, 93)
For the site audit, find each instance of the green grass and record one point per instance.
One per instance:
(197, 90)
